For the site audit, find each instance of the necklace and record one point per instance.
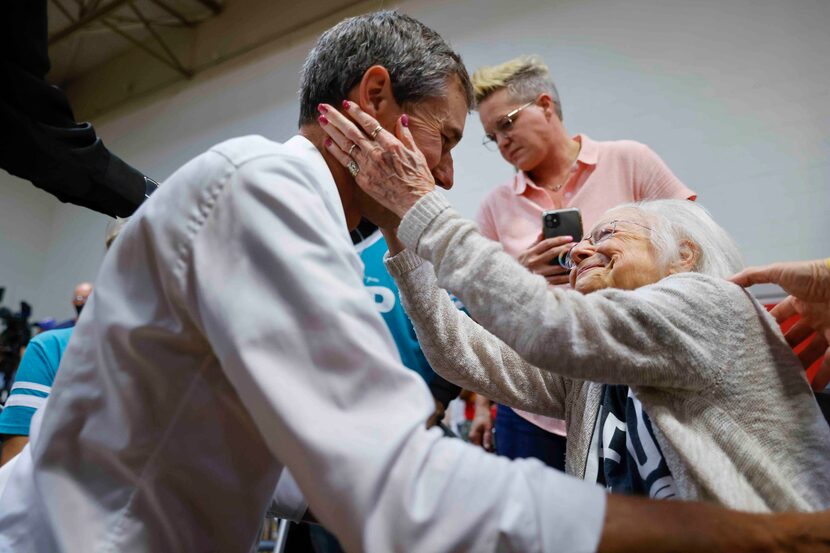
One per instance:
(559, 186)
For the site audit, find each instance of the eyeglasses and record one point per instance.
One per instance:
(503, 126)
(597, 237)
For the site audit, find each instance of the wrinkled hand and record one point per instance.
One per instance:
(806, 280)
(481, 430)
(542, 258)
(393, 171)
(808, 283)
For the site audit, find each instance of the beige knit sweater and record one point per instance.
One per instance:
(729, 403)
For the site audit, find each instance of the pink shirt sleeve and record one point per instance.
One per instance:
(654, 180)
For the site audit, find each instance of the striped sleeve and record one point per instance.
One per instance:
(32, 385)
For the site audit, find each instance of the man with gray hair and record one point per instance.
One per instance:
(179, 403)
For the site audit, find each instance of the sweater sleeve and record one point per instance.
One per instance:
(658, 335)
(465, 353)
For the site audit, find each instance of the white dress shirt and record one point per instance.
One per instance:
(230, 336)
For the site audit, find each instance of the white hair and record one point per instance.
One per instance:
(679, 220)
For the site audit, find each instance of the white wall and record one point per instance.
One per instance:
(45, 248)
(733, 94)
(25, 232)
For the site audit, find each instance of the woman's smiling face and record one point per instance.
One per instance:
(618, 253)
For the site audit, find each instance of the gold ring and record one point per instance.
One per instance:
(374, 134)
(352, 149)
(353, 168)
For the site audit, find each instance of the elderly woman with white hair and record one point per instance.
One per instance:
(673, 381)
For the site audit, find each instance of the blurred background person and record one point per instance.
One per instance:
(80, 295)
(43, 325)
(14, 336)
(31, 387)
(39, 367)
(519, 107)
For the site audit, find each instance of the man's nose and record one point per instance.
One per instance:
(444, 174)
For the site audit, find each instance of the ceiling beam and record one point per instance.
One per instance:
(228, 40)
(175, 13)
(176, 64)
(213, 5)
(86, 20)
(143, 47)
(64, 11)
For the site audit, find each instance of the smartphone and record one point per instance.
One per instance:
(562, 222)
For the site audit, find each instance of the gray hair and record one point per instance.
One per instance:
(525, 78)
(419, 61)
(679, 220)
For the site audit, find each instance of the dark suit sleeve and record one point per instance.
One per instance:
(41, 141)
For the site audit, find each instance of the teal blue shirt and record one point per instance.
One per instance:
(33, 380)
(388, 301)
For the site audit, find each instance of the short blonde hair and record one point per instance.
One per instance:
(524, 77)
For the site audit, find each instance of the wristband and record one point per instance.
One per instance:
(827, 262)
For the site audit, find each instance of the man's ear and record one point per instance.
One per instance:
(374, 95)
(689, 255)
